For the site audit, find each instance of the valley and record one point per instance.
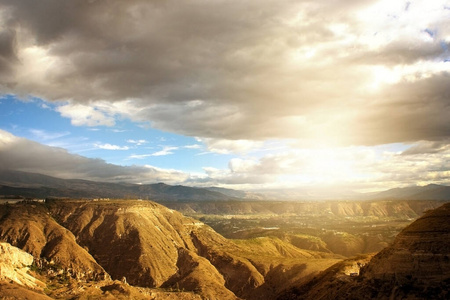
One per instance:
(147, 245)
(117, 249)
(77, 239)
(342, 227)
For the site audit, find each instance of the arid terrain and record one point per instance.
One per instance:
(144, 244)
(120, 249)
(342, 227)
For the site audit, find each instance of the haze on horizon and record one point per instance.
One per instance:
(242, 94)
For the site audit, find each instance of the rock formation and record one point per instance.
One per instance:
(123, 249)
(144, 244)
(415, 266)
(14, 267)
(31, 228)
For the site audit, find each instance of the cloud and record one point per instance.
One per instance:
(111, 147)
(427, 147)
(84, 115)
(45, 135)
(24, 155)
(355, 168)
(193, 146)
(236, 70)
(222, 146)
(137, 142)
(167, 150)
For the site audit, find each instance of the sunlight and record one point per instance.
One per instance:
(382, 75)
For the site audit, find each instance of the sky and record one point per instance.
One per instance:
(255, 95)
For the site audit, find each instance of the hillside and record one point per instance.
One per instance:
(347, 228)
(374, 208)
(147, 245)
(415, 266)
(140, 249)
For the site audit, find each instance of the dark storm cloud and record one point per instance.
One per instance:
(7, 55)
(230, 69)
(427, 147)
(409, 111)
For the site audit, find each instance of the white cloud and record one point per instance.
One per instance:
(193, 146)
(167, 150)
(111, 147)
(44, 135)
(222, 146)
(354, 168)
(85, 115)
(139, 156)
(137, 142)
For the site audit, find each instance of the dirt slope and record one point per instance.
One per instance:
(415, 266)
(31, 228)
(148, 245)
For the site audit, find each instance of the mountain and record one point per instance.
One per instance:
(94, 247)
(428, 192)
(239, 194)
(415, 266)
(43, 186)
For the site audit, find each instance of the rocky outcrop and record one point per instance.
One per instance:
(420, 253)
(239, 273)
(191, 274)
(14, 266)
(415, 266)
(31, 228)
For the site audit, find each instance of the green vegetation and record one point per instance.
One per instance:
(330, 233)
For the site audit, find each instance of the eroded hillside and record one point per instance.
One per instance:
(415, 266)
(148, 245)
(347, 228)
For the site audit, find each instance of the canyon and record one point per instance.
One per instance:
(76, 239)
(146, 245)
(415, 266)
(121, 249)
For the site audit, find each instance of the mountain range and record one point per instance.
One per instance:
(17, 183)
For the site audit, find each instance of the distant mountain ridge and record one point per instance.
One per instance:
(428, 192)
(38, 185)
